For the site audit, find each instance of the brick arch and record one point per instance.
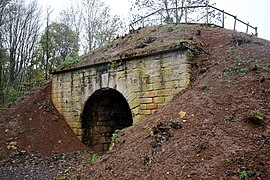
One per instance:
(105, 111)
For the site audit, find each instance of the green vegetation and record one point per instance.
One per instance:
(168, 20)
(229, 161)
(238, 40)
(243, 175)
(229, 81)
(258, 64)
(62, 178)
(1, 153)
(116, 64)
(228, 118)
(193, 53)
(93, 159)
(238, 58)
(10, 95)
(181, 42)
(256, 117)
(69, 61)
(205, 87)
(178, 30)
(234, 70)
(114, 137)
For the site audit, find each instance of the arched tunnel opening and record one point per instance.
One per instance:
(105, 111)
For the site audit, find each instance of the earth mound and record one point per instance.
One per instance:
(218, 128)
(34, 125)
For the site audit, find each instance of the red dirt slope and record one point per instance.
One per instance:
(218, 137)
(34, 125)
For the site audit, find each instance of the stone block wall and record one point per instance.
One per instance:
(147, 84)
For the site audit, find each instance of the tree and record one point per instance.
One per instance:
(19, 35)
(60, 43)
(92, 22)
(3, 10)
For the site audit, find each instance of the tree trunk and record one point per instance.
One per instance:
(1, 83)
(11, 68)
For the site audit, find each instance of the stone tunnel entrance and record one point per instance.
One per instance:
(105, 111)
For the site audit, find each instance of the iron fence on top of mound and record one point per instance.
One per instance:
(204, 14)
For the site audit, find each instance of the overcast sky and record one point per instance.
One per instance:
(257, 13)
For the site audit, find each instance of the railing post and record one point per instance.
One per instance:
(235, 19)
(186, 14)
(223, 19)
(207, 11)
(256, 31)
(247, 27)
(176, 13)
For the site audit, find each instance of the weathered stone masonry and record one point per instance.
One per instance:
(147, 84)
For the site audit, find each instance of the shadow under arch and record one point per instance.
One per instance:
(105, 111)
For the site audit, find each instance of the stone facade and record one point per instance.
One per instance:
(147, 84)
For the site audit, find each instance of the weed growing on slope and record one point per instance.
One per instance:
(243, 175)
(256, 117)
(93, 159)
(228, 118)
(114, 137)
(257, 64)
(229, 161)
(234, 70)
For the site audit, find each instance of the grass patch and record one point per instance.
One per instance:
(234, 70)
(238, 58)
(258, 64)
(229, 81)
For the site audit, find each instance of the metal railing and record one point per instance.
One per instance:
(204, 14)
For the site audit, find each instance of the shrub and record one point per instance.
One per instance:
(10, 95)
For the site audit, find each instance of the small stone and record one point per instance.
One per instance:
(168, 172)
(14, 147)
(182, 114)
(13, 143)
(8, 147)
(10, 139)
(30, 119)
(7, 130)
